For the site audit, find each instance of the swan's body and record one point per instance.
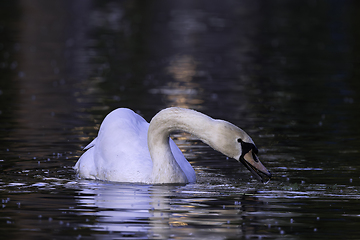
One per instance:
(129, 149)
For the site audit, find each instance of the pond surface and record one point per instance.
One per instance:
(287, 73)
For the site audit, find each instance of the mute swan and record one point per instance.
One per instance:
(129, 149)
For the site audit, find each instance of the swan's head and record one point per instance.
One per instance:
(237, 144)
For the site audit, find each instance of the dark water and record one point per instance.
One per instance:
(286, 72)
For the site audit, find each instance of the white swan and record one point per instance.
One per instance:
(129, 149)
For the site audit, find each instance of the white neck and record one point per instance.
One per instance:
(165, 167)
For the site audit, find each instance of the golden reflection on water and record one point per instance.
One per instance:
(183, 68)
(182, 91)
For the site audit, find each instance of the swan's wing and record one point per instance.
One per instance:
(90, 145)
(183, 163)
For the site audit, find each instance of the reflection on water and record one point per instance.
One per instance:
(162, 211)
(183, 91)
(216, 211)
(287, 73)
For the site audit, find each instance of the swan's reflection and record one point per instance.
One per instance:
(126, 208)
(150, 211)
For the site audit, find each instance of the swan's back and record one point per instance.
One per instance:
(120, 152)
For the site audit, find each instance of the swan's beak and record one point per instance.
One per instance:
(252, 162)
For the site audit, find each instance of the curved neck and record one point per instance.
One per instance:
(165, 167)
